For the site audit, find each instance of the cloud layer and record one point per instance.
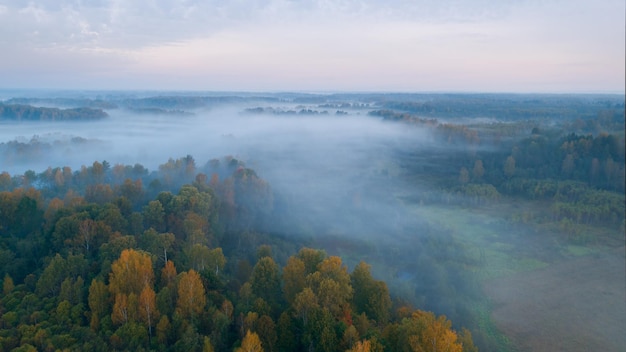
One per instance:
(314, 45)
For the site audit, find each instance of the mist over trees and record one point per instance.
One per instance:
(30, 113)
(330, 224)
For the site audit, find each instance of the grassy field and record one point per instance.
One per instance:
(525, 275)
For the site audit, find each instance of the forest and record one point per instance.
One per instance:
(339, 222)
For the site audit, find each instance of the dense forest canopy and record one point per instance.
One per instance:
(330, 227)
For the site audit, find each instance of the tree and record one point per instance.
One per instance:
(350, 337)
(294, 278)
(168, 274)
(370, 296)
(331, 284)
(509, 166)
(156, 243)
(207, 346)
(245, 295)
(333, 268)
(286, 333)
(478, 170)
(328, 338)
(463, 176)
(57, 271)
(227, 308)
(264, 250)
(311, 258)
(250, 343)
(304, 304)
(131, 272)
(332, 297)
(265, 280)
(362, 282)
(266, 329)
(86, 232)
(191, 295)
(196, 228)
(567, 167)
(198, 256)
(120, 314)
(7, 284)
(5, 181)
(154, 216)
(248, 323)
(436, 334)
(62, 314)
(465, 339)
(72, 290)
(216, 260)
(98, 302)
(379, 302)
(91, 235)
(163, 329)
(361, 346)
(132, 190)
(99, 193)
(148, 312)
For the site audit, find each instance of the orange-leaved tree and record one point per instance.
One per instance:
(148, 312)
(250, 343)
(191, 295)
(131, 272)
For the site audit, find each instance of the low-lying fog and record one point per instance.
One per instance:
(295, 141)
(321, 160)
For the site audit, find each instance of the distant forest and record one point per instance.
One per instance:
(30, 113)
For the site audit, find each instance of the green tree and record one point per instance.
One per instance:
(370, 296)
(163, 329)
(57, 271)
(154, 216)
(311, 258)
(265, 280)
(98, 302)
(286, 333)
(216, 260)
(266, 329)
(198, 256)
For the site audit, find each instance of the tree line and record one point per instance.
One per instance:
(19, 112)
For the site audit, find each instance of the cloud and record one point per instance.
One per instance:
(143, 23)
(309, 44)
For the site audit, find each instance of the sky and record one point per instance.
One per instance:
(543, 46)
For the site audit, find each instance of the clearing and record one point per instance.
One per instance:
(575, 305)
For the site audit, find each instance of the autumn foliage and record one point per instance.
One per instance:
(185, 272)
